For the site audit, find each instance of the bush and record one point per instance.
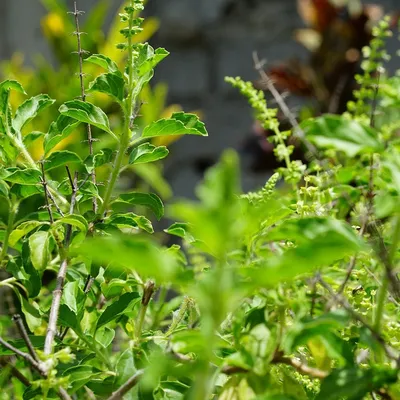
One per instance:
(290, 292)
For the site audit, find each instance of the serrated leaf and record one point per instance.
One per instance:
(30, 109)
(113, 311)
(179, 124)
(61, 158)
(88, 113)
(22, 230)
(104, 62)
(111, 84)
(58, 131)
(75, 220)
(351, 137)
(28, 176)
(39, 245)
(131, 220)
(102, 157)
(146, 153)
(180, 229)
(151, 61)
(149, 200)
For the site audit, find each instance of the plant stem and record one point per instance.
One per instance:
(126, 134)
(62, 273)
(382, 293)
(127, 386)
(148, 291)
(90, 139)
(13, 209)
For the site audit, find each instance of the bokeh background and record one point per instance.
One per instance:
(208, 40)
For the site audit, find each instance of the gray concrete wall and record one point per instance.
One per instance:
(208, 39)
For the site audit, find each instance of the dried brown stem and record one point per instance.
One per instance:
(259, 66)
(90, 139)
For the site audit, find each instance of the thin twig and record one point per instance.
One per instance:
(24, 335)
(57, 292)
(127, 386)
(27, 357)
(259, 66)
(14, 371)
(46, 193)
(90, 139)
(304, 369)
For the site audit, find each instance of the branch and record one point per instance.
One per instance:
(127, 386)
(24, 335)
(14, 371)
(57, 293)
(90, 139)
(282, 105)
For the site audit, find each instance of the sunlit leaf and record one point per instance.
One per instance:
(180, 123)
(146, 153)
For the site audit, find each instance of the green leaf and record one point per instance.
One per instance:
(61, 158)
(149, 200)
(180, 229)
(179, 124)
(131, 220)
(12, 84)
(87, 113)
(327, 239)
(111, 84)
(3, 189)
(75, 220)
(68, 318)
(146, 153)
(354, 383)
(58, 131)
(39, 245)
(73, 296)
(125, 367)
(22, 230)
(101, 158)
(30, 310)
(104, 336)
(351, 137)
(27, 176)
(131, 252)
(79, 375)
(104, 62)
(31, 137)
(124, 304)
(30, 109)
(151, 60)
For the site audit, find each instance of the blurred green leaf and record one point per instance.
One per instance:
(349, 136)
(149, 200)
(180, 123)
(39, 244)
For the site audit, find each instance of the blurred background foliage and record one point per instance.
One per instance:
(59, 78)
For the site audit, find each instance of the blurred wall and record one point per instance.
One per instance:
(208, 39)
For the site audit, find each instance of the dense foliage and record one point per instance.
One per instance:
(287, 293)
